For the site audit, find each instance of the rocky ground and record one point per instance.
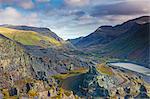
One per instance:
(45, 70)
(96, 83)
(26, 70)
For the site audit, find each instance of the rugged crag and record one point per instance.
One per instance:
(25, 70)
(21, 64)
(90, 85)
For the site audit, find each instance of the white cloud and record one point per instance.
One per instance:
(67, 22)
(10, 15)
(26, 4)
(10, 12)
(77, 2)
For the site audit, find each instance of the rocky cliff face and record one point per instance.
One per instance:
(90, 86)
(20, 61)
(14, 62)
(25, 73)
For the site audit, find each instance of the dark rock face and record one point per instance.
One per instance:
(127, 97)
(87, 85)
(93, 71)
(143, 93)
(90, 87)
(142, 96)
(48, 94)
(13, 92)
(127, 90)
(28, 87)
(41, 75)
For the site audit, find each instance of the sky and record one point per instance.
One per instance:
(71, 18)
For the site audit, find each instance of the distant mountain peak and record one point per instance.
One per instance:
(143, 18)
(105, 27)
(130, 23)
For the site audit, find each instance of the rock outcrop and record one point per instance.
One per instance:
(90, 86)
(22, 65)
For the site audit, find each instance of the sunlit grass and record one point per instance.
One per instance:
(28, 37)
(102, 68)
(71, 73)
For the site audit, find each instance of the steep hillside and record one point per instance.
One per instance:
(133, 45)
(29, 37)
(101, 36)
(24, 75)
(41, 30)
(76, 40)
(41, 53)
(14, 63)
(37, 48)
(129, 40)
(105, 34)
(44, 51)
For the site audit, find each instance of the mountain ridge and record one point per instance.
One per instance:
(105, 34)
(43, 30)
(121, 41)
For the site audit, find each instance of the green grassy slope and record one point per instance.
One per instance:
(29, 37)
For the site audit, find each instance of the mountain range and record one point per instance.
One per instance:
(129, 40)
(35, 62)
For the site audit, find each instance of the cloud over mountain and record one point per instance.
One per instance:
(74, 18)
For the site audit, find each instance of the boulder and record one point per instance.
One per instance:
(13, 92)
